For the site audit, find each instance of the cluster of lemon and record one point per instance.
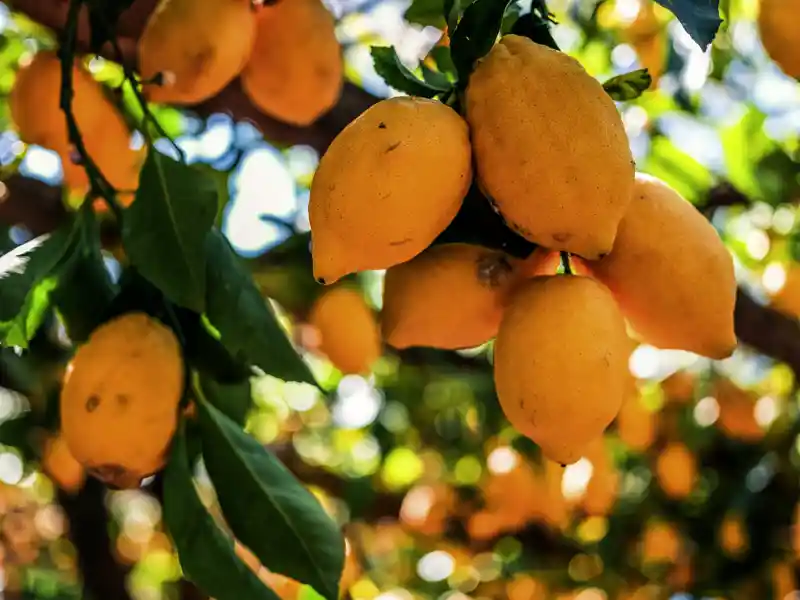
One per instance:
(551, 152)
(285, 53)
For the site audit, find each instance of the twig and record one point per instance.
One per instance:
(149, 117)
(565, 263)
(98, 182)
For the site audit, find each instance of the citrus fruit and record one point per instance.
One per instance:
(120, 399)
(190, 50)
(387, 186)
(550, 148)
(671, 274)
(560, 363)
(418, 297)
(348, 330)
(295, 71)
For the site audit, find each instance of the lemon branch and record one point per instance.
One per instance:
(99, 184)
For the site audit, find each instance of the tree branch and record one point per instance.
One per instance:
(103, 577)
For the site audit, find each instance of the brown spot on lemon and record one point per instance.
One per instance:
(92, 403)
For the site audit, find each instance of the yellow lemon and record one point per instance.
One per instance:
(348, 330)
(196, 47)
(387, 186)
(450, 296)
(550, 147)
(671, 273)
(295, 71)
(560, 363)
(119, 401)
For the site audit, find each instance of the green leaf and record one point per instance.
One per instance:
(628, 86)
(245, 320)
(476, 34)
(425, 12)
(700, 18)
(443, 60)
(291, 534)
(308, 593)
(206, 554)
(27, 276)
(680, 170)
(85, 291)
(396, 74)
(744, 144)
(166, 226)
(435, 78)
(232, 399)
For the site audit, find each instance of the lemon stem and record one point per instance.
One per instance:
(565, 264)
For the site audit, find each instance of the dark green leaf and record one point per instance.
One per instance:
(628, 86)
(232, 399)
(206, 554)
(700, 18)
(246, 322)
(534, 26)
(85, 291)
(443, 60)
(291, 533)
(451, 11)
(166, 226)
(425, 12)
(394, 73)
(476, 34)
(435, 78)
(27, 276)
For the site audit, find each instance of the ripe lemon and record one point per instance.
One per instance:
(550, 147)
(777, 23)
(676, 470)
(196, 48)
(295, 71)
(349, 333)
(390, 182)
(636, 425)
(450, 296)
(35, 111)
(661, 543)
(119, 402)
(560, 363)
(736, 411)
(733, 538)
(671, 274)
(60, 465)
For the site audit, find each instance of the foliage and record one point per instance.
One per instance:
(417, 459)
